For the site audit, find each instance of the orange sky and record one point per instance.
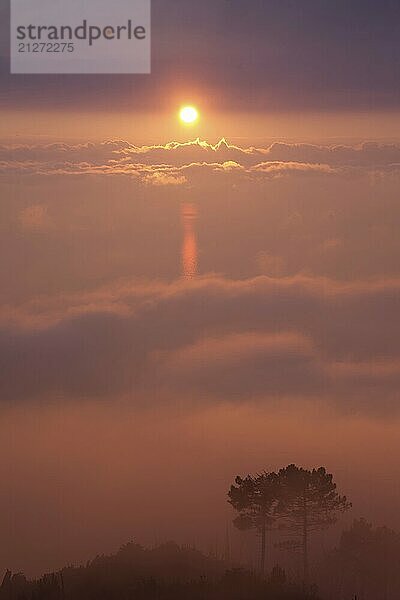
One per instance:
(179, 305)
(92, 473)
(240, 127)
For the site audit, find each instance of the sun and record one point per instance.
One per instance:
(188, 114)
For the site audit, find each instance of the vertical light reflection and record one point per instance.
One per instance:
(189, 245)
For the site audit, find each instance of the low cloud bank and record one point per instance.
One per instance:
(212, 339)
(178, 163)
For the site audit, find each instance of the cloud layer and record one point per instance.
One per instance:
(295, 333)
(254, 340)
(180, 163)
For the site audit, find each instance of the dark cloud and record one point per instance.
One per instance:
(216, 339)
(284, 55)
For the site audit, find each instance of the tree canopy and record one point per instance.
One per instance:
(302, 500)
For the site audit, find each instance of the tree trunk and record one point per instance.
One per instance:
(263, 545)
(305, 545)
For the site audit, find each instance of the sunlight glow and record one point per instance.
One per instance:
(189, 247)
(188, 114)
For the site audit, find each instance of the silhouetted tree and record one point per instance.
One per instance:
(311, 503)
(257, 500)
(278, 575)
(12, 586)
(366, 563)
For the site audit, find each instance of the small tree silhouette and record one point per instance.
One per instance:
(256, 499)
(311, 503)
(278, 576)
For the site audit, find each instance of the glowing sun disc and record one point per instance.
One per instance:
(188, 114)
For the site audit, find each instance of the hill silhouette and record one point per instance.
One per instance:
(167, 572)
